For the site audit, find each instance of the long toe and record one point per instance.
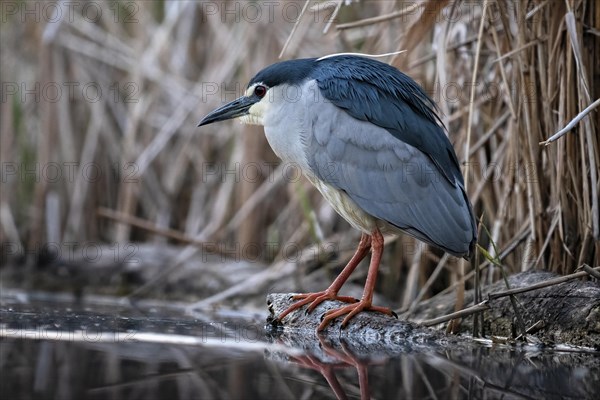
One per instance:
(350, 311)
(314, 299)
(326, 296)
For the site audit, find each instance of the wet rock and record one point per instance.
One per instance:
(367, 332)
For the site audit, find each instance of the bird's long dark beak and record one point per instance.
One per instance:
(236, 108)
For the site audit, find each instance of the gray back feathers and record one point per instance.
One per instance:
(387, 177)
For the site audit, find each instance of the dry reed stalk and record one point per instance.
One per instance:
(503, 87)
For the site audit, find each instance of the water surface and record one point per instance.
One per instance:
(102, 350)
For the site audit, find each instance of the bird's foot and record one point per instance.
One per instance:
(351, 310)
(314, 299)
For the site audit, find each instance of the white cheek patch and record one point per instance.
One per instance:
(251, 120)
(257, 110)
(256, 113)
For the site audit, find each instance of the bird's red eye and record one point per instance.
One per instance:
(260, 91)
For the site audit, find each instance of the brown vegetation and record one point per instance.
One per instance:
(133, 166)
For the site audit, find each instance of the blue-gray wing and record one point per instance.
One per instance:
(372, 91)
(388, 178)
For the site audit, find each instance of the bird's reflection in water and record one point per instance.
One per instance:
(471, 371)
(47, 351)
(333, 360)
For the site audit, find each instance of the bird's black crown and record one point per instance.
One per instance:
(291, 72)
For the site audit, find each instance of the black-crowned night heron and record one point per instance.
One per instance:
(370, 140)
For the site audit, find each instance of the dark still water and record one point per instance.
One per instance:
(52, 350)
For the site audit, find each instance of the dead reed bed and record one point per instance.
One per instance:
(99, 141)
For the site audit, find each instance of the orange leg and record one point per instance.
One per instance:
(327, 370)
(365, 303)
(341, 360)
(350, 359)
(331, 292)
